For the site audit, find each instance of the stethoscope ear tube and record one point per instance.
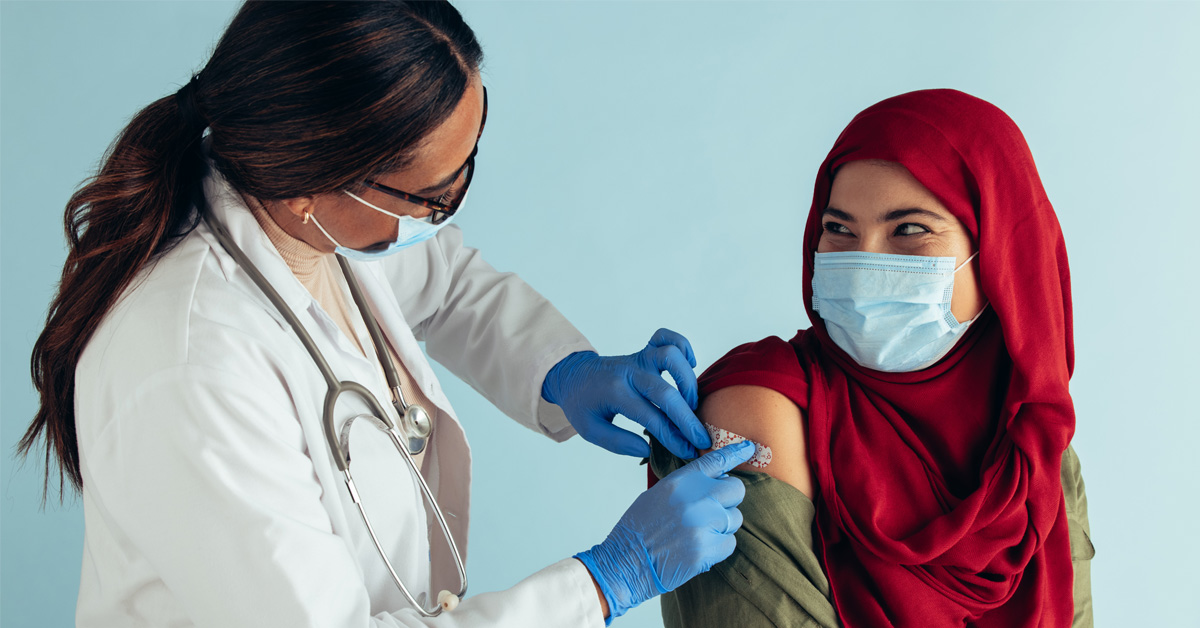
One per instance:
(385, 360)
(414, 420)
(339, 447)
(222, 234)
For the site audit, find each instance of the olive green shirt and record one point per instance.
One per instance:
(774, 578)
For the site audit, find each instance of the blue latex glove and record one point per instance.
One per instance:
(672, 532)
(592, 389)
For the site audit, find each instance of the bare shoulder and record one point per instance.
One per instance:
(767, 418)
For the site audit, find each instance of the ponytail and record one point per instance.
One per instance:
(134, 209)
(274, 98)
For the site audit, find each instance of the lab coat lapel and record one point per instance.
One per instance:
(449, 456)
(228, 207)
(383, 304)
(449, 464)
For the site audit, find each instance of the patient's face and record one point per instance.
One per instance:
(879, 207)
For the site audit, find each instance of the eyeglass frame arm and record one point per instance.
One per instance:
(440, 208)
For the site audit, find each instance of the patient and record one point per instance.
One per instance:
(914, 465)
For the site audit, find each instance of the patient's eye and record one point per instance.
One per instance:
(911, 228)
(837, 227)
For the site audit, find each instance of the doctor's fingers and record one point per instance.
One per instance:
(640, 410)
(669, 358)
(665, 336)
(728, 491)
(733, 521)
(671, 403)
(718, 462)
(725, 548)
(600, 431)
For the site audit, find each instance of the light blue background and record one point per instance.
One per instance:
(650, 165)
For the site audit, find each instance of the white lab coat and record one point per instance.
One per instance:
(209, 493)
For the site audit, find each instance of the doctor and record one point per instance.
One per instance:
(178, 396)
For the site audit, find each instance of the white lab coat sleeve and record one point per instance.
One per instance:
(207, 474)
(489, 328)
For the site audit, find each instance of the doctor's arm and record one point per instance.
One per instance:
(208, 475)
(509, 343)
(489, 328)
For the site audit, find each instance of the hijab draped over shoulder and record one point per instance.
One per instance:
(938, 492)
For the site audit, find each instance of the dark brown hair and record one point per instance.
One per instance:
(299, 99)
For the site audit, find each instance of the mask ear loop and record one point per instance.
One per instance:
(983, 309)
(374, 207)
(966, 261)
(381, 210)
(985, 303)
(307, 216)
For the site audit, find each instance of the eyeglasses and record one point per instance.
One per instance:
(441, 211)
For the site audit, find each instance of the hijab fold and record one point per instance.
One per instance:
(938, 491)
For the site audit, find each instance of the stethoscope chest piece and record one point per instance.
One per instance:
(416, 426)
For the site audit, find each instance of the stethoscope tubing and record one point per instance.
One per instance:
(339, 447)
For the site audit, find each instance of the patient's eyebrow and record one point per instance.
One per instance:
(839, 214)
(897, 214)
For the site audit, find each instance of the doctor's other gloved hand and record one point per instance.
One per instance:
(679, 528)
(592, 389)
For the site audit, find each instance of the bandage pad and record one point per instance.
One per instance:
(722, 437)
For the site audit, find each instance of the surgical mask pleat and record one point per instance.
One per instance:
(888, 312)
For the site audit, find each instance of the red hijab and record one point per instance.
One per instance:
(938, 493)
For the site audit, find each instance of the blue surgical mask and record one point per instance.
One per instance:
(409, 231)
(890, 313)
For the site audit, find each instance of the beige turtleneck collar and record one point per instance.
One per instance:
(300, 256)
(317, 273)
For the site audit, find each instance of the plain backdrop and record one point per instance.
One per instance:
(649, 165)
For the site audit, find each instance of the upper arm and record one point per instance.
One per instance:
(489, 328)
(420, 279)
(769, 418)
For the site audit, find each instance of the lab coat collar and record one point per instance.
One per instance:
(449, 454)
(227, 206)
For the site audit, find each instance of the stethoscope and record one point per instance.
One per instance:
(416, 426)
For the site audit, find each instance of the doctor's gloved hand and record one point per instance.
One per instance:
(592, 389)
(679, 528)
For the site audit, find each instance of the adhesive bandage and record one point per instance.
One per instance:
(722, 437)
